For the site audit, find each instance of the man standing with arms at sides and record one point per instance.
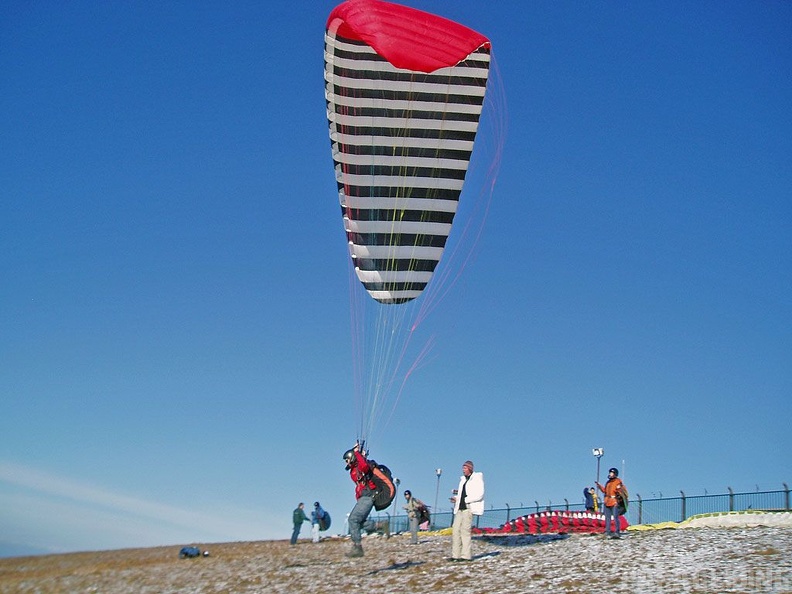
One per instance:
(469, 502)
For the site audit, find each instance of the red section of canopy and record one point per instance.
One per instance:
(555, 522)
(408, 38)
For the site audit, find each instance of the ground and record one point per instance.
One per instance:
(739, 560)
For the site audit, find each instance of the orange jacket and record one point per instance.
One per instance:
(610, 489)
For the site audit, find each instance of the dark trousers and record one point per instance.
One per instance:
(612, 513)
(296, 533)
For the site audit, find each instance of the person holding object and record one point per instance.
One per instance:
(317, 515)
(468, 502)
(360, 473)
(612, 490)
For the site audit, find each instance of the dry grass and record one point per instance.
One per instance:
(702, 560)
(768, 551)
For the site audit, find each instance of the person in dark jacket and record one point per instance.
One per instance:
(298, 517)
(588, 499)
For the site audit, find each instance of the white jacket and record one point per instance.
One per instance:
(474, 492)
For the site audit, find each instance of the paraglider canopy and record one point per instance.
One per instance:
(405, 90)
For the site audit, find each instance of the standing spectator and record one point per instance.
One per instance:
(298, 517)
(588, 499)
(612, 490)
(468, 502)
(413, 508)
(590, 496)
(360, 473)
(317, 517)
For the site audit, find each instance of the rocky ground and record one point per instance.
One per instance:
(740, 560)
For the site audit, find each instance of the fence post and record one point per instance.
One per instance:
(508, 513)
(684, 507)
(537, 505)
(640, 508)
(786, 496)
(731, 499)
(566, 501)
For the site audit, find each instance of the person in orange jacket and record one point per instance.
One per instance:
(612, 510)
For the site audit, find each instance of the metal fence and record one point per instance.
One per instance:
(640, 511)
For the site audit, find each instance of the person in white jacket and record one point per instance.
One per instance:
(468, 502)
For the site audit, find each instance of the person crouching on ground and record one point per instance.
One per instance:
(360, 473)
(468, 502)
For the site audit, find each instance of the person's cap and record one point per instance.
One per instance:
(316, 504)
(469, 464)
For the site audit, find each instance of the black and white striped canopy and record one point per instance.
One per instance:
(401, 142)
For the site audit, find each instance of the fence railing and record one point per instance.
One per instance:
(640, 511)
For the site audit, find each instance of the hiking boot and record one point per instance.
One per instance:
(357, 551)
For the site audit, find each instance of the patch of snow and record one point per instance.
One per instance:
(728, 560)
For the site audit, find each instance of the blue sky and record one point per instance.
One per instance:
(175, 359)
